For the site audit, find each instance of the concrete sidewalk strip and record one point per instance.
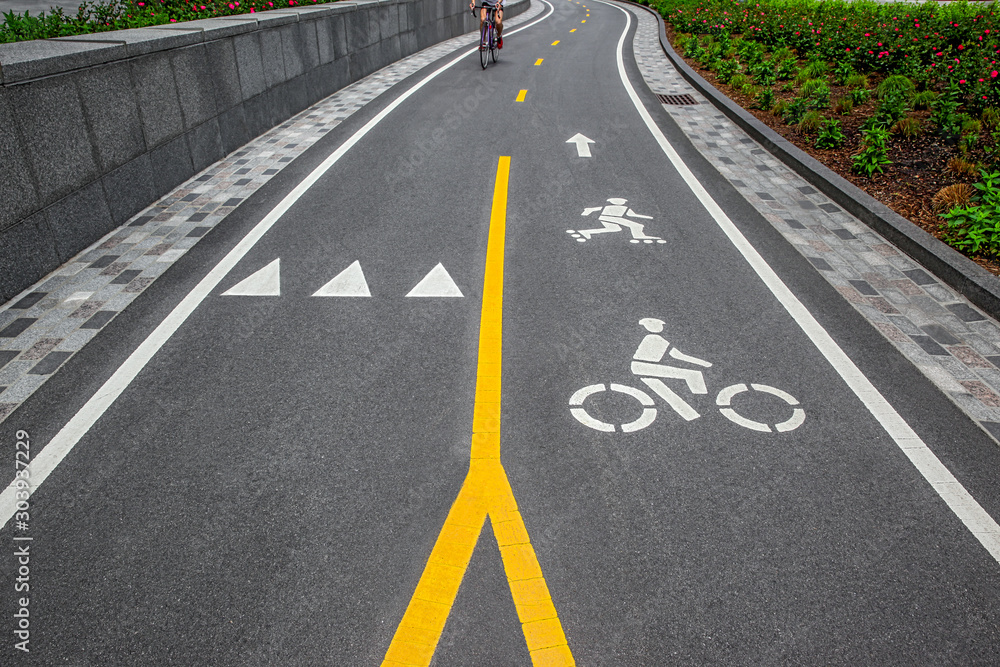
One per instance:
(948, 339)
(63, 312)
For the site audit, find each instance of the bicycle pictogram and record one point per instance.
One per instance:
(647, 367)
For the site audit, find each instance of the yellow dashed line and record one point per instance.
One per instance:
(583, 21)
(520, 96)
(555, 42)
(573, 30)
(485, 492)
(538, 62)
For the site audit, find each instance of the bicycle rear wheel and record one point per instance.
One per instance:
(484, 45)
(494, 50)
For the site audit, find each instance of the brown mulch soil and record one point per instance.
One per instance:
(919, 168)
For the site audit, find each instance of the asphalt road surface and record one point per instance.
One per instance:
(703, 454)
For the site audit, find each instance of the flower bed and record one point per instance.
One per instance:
(902, 99)
(105, 15)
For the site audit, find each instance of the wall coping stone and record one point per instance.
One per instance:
(20, 61)
(140, 41)
(214, 28)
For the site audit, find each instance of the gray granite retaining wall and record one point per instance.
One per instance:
(94, 128)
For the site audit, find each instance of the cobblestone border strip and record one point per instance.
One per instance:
(46, 324)
(952, 343)
(971, 280)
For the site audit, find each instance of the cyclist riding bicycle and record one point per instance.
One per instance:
(499, 20)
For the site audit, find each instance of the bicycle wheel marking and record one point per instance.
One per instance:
(726, 396)
(485, 492)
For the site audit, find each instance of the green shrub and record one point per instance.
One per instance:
(786, 69)
(817, 94)
(924, 99)
(843, 105)
(782, 53)
(874, 152)
(856, 81)
(896, 84)
(737, 80)
(814, 69)
(726, 70)
(892, 107)
(810, 122)
(765, 99)
(830, 135)
(750, 90)
(976, 228)
(907, 127)
(763, 73)
(859, 96)
(991, 117)
(795, 110)
(944, 113)
(842, 72)
(970, 126)
(779, 108)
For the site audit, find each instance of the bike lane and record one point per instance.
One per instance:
(706, 542)
(270, 488)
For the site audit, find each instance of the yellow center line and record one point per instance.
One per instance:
(583, 21)
(538, 62)
(520, 95)
(573, 30)
(555, 42)
(486, 492)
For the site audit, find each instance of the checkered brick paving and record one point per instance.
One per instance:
(945, 336)
(45, 325)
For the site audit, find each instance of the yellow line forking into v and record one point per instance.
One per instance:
(485, 492)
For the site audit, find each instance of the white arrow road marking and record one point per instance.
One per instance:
(582, 144)
(266, 282)
(436, 283)
(349, 282)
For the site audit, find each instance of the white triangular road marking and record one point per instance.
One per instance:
(436, 283)
(349, 282)
(266, 282)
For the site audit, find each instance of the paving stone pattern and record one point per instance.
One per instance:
(44, 326)
(949, 340)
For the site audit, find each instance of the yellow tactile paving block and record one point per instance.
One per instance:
(486, 445)
(487, 394)
(509, 532)
(467, 513)
(439, 583)
(457, 533)
(519, 562)
(557, 656)
(544, 634)
(532, 600)
(409, 653)
(425, 615)
(452, 554)
(487, 410)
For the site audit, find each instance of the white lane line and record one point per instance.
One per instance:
(63, 442)
(961, 502)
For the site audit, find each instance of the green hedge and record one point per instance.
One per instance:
(107, 15)
(932, 44)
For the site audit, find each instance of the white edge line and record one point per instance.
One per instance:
(961, 502)
(62, 443)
